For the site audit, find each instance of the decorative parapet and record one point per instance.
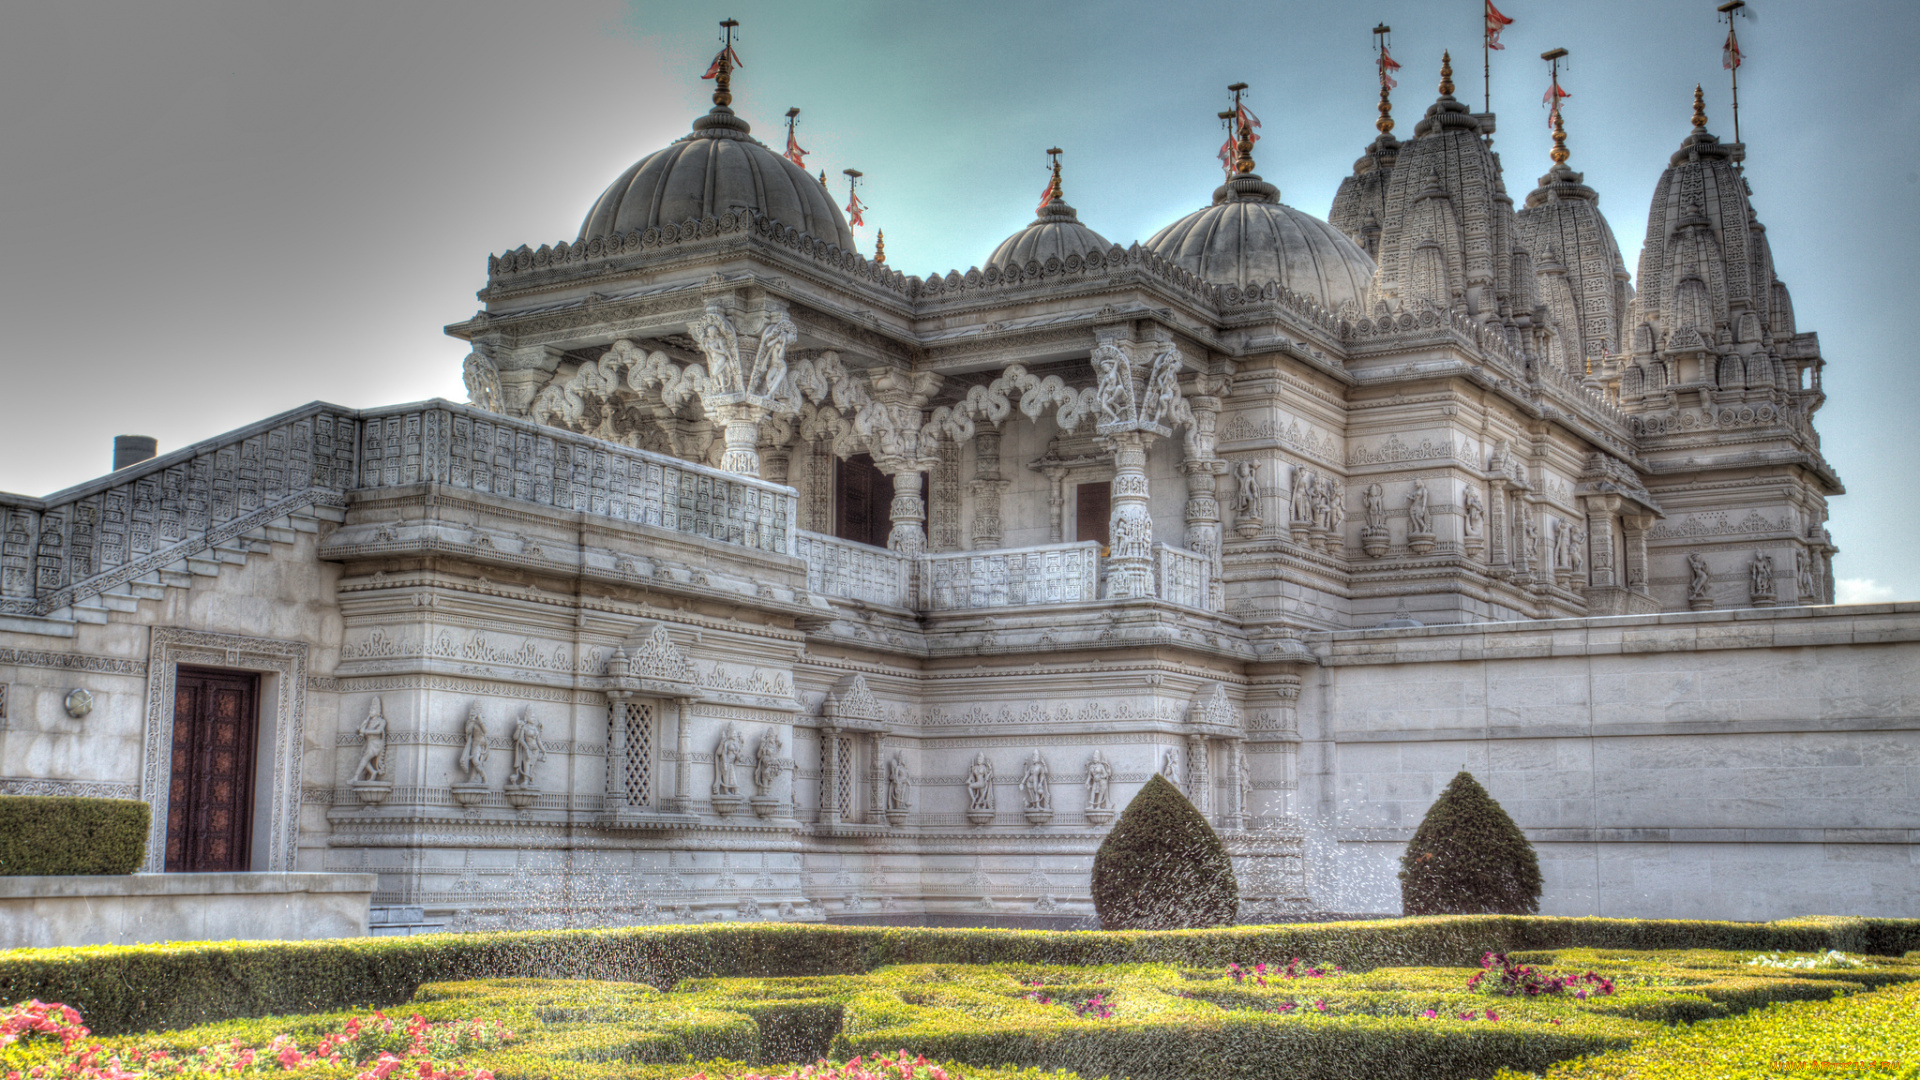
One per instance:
(844, 570)
(1010, 577)
(148, 517)
(1182, 577)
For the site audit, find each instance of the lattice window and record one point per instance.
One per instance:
(639, 777)
(844, 794)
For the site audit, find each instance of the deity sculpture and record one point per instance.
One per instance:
(1246, 502)
(1803, 574)
(1562, 555)
(1322, 496)
(1577, 549)
(1760, 575)
(473, 756)
(766, 764)
(1700, 582)
(373, 759)
(1374, 503)
(1099, 783)
(726, 757)
(1419, 519)
(1170, 767)
(1036, 784)
(898, 782)
(980, 784)
(527, 751)
(1476, 510)
(1302, 503)
(1336, 505)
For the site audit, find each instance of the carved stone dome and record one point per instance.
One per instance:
(719, 167)
(1055, 234)
(1249, 237)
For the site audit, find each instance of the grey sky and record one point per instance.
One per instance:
(215, 210)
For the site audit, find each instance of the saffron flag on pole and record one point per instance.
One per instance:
(1388, 64)
(1730, 55)
(1495, 22)
(732, 58)
(1551, 100)
(1046, 195)
(854, 206)
(794, 153)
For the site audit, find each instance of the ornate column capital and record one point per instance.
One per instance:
(746, 375)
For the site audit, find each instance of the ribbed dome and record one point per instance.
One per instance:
(716, 168)
(1249, 237)
(1055, 234)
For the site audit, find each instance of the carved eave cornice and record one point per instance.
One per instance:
(1314, 356)
(1755, 459)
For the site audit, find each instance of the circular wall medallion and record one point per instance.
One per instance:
(79, 703)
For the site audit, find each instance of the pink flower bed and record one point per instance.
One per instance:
(874, 1068)
(415, 1050)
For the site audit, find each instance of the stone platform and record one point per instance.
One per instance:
(40, 912)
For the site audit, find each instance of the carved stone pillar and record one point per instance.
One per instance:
(616, 797)
(829, 776)
(893, 428)
(876, 790)
(1236, 783)
(1635, 527)
(1056, 503)
(523, 371)
(1499, 532)
(986, 489)
(1130, 529)
(746, 376)
(1203, 506)
(1199, 783)
(682, 761)
(1604, 564)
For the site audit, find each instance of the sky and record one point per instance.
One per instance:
(215, 210)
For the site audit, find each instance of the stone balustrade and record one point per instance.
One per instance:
(1010, 577)
(845, 570)
(83, 541)
(1182, 577)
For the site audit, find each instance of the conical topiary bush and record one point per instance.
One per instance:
(1163, 867)
(1469, 858)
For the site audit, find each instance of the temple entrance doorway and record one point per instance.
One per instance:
(216, 722)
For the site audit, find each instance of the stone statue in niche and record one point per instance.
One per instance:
(1577, 551)
(373, 757)
(1562, 552)
(369, 776)
(1246, 500)
(980, 790)
(1760, 579)
(1419, 519)
(1475, 510)
(1036, 785)
(1115, 379)
(1243, 779)
(1099, 783)
(474, 754)
(1699, 581)
(1302, 503)
(1803, 574)
(766, 763)
(1170, 767)
(1336, 505)
(899, 783)
(1374, 536)
(1529, 537)
(528, 751)
(1322, 497)
(727, 757)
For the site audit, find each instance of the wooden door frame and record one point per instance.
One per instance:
(247, 772)
(282, 666)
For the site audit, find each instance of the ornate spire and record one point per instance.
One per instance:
(880, 246)
(1387, 65)
(1699, 109)
(1446, 74)
(1559, 153)
(1243, 144)
(1054, 194)
(722, 70)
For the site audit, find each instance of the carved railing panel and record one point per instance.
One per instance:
(1010, 577)
(77, 543)
(846, 570)
(1181, 576)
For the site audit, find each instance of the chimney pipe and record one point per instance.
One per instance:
(133, 449)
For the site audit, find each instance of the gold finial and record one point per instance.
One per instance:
(1699, 109)
(1243, 143)
(1446, 74)
(1386, 64)
(1054, 194)
(1385, 123)
(722, 70)
(823, 178)
(1559, 152)
(880, 246)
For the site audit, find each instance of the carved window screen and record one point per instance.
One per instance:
(843, 796)
(639, 766)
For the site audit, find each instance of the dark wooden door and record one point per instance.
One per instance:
(863, 501)
(1093, 513)
(216, 720)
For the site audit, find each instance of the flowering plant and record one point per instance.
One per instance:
(1097, 1007)
(377, 1043)
(1518, 979)
(1260, 971)
(881, 1067)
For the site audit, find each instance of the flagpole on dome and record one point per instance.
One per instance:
(1551, 100)
(1731, 56)
(1490, 41)
(854, 205)
(1236, 154)
(721, 70)
(1052, 190)
(1387, 65)
(794, 152)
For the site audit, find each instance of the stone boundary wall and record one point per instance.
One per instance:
(132, 909)
(1750, 764)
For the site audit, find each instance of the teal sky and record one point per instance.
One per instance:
(219, 209)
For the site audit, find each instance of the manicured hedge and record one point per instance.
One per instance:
(1155, 1021)
(1870, 1034)
(150, 987)
(58, 834)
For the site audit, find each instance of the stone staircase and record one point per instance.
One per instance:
(183, 573)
